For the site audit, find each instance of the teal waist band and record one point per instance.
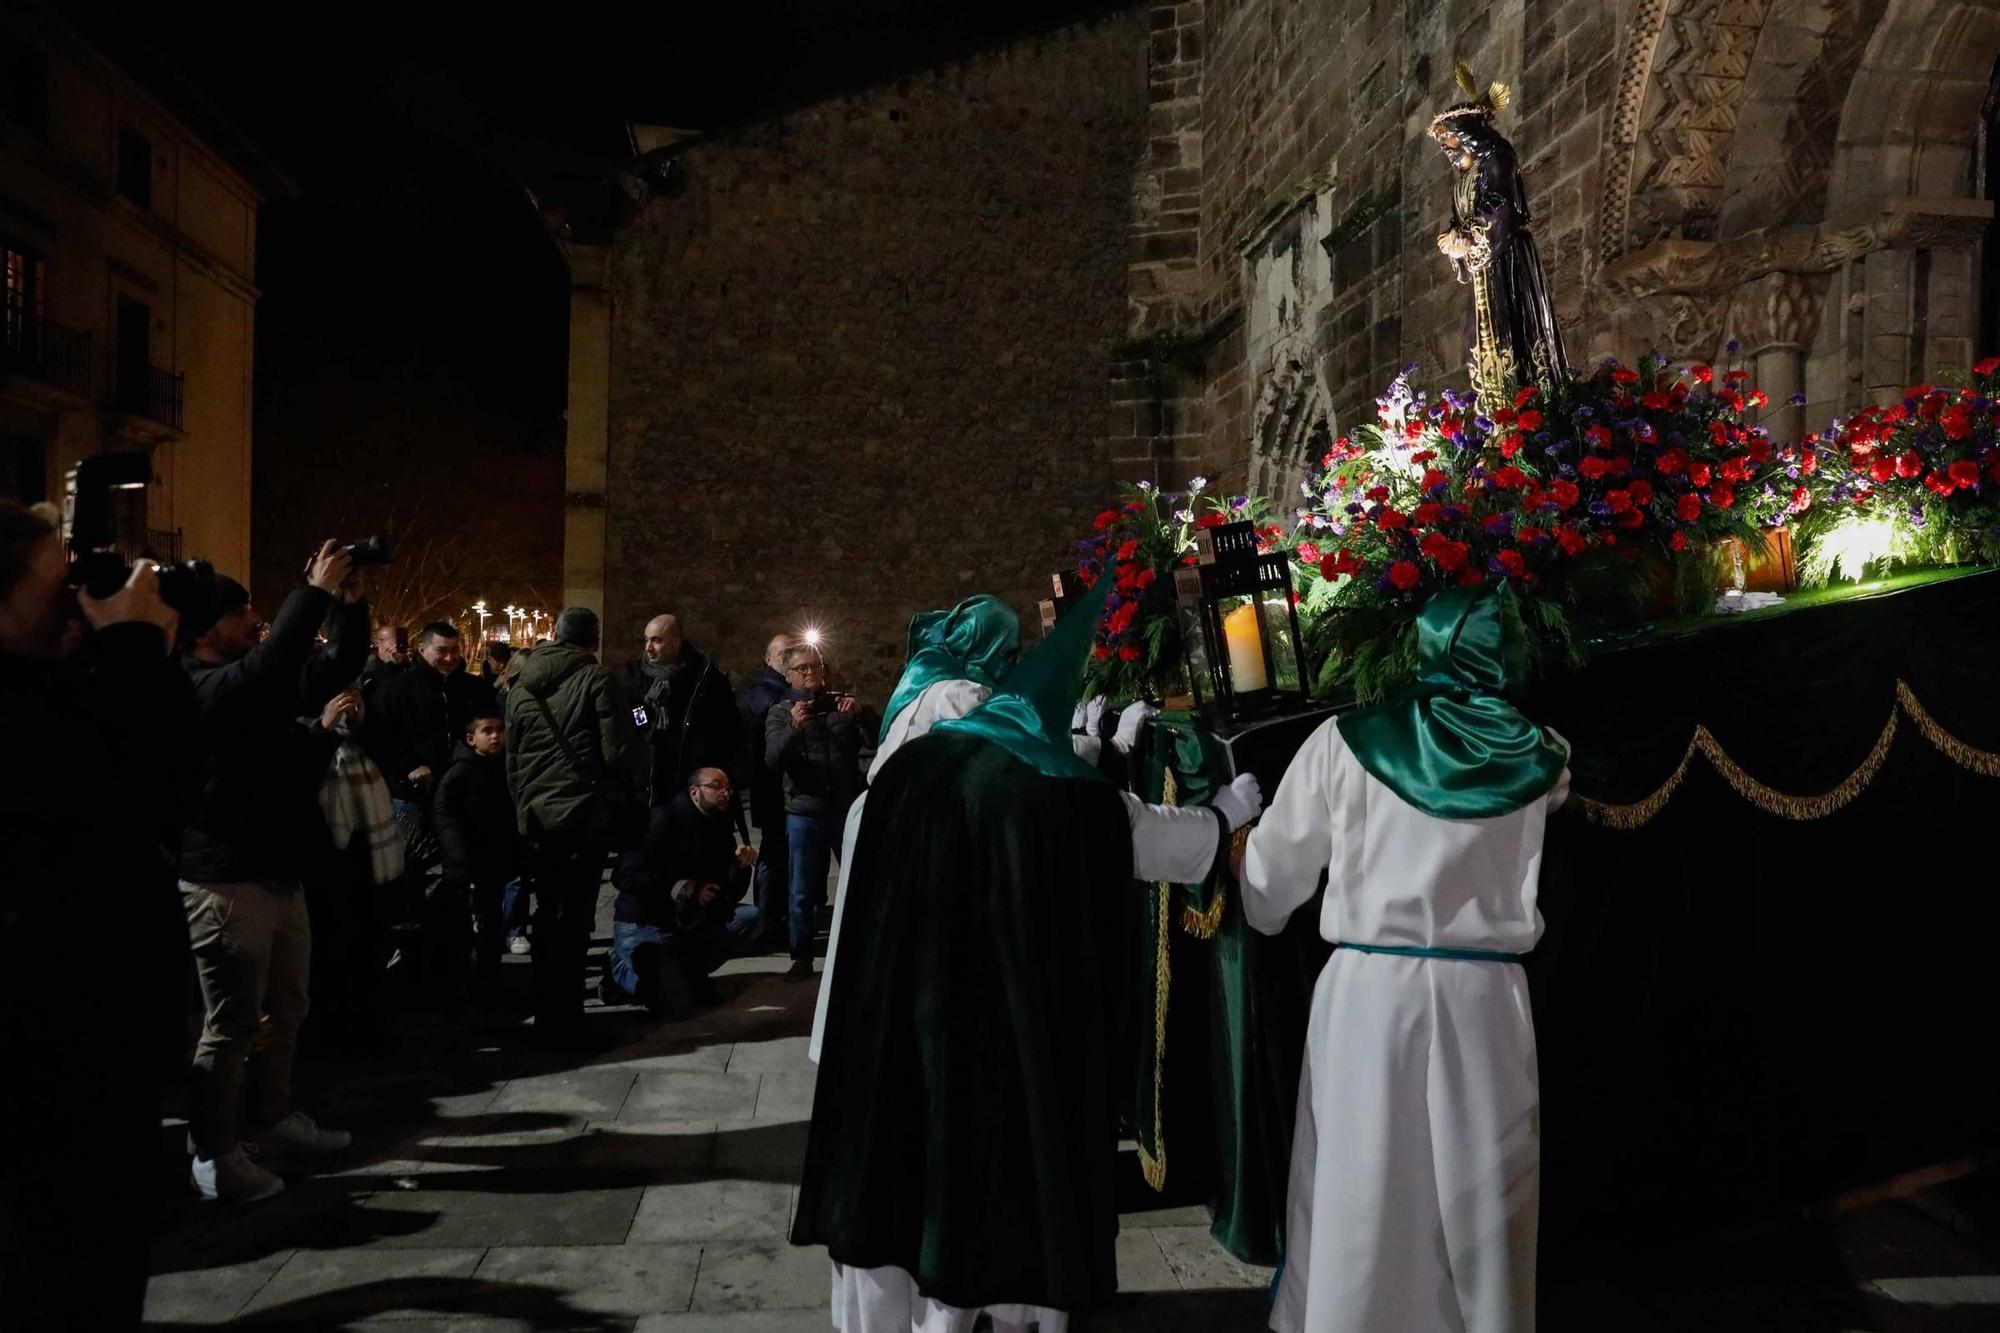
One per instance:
(1412, 951)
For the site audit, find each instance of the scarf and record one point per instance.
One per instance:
(355, 799)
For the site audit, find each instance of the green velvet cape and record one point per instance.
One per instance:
(964, 1126)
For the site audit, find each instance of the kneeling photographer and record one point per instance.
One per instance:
(270, 714)
(93, 946)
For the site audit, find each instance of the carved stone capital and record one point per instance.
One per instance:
(1778, 310)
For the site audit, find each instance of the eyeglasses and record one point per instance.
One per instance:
(718, 786)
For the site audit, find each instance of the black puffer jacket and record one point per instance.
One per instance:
(821, 762)
(476, 823)
(264, 753)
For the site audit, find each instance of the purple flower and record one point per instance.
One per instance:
(1798, 399)
(1584, 411)
(1483, 424)
(1354, 511)
(1238, 501)
(1916, 515)
(1732, 347)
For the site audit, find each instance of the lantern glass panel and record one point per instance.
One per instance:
(1275, 613)
(1243, 639)
(1194, 636)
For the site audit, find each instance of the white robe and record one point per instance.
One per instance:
(1415, 1177)
(1167, 843)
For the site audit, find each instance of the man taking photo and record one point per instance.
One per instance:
(269, 712)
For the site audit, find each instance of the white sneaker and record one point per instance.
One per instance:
(518, 945)
(234, 1178)
(298, 1133)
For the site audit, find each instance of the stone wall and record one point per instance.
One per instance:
(859, 359)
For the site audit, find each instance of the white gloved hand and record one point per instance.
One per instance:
(1087, 748)
(1240, 802)
(1076, 716)
(1130, 723)
(1093, 714)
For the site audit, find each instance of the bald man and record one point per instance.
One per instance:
(680, 911)
(683, 710)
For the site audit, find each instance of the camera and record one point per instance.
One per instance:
(368, 551)
(96, 565)
(821, 704)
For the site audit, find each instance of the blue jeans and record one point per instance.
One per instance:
(814, 845)
(514, 909)
(638, 951)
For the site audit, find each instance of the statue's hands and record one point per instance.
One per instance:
(1455, 244)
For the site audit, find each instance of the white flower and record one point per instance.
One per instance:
(1184, 516)
(1145, 485)
(1198, 483)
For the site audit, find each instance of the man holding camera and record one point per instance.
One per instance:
(270, 711)
(391, 656)
(100, 733)
(813, 737)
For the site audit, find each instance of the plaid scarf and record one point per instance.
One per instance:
(356, 800)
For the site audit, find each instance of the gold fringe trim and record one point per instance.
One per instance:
(1153, 1165)
(1203, 925)
(1783, 804)
(1983, 762)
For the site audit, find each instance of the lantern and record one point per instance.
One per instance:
(1239, 626)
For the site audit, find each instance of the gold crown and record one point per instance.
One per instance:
(1481, 105)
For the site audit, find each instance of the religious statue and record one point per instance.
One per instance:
(1512, 330)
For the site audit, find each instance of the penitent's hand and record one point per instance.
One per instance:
(1240, 802)
(1130, 723)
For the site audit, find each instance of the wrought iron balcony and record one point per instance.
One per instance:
(46, 351)
(149, 392)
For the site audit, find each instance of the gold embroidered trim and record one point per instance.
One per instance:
(1154, 1164)
(1769, 799)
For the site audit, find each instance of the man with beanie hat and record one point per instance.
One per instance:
(268, 717)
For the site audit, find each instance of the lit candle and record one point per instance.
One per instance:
(1246, 649)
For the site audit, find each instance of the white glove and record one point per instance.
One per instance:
(1130, 723)
(1076, 717)
(1093, 714)
(1240, 802)
(1087, 748)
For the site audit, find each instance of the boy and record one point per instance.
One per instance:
(480, 841)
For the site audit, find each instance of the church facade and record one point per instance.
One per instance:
(898, 347)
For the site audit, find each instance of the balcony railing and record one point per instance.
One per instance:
(45, 350)
(150, 392)
(162, 545)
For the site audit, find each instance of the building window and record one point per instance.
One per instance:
(24, 298)
(24, 85)
(135, 167)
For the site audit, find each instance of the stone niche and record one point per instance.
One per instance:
(1288, 293)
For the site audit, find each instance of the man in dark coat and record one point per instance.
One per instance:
(418, 717)
(680, 912)
(813, 737)
(269, 709)
(684, 710)
(391, 656)
(767, 791)
(565, 765)
(100, 742)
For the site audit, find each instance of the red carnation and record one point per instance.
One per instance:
(1760, 449)
(1758, 398)
(1592, 468)
(1435, 480)
(1958, 422)
(1510, 444)
(1105, 519)
(1340, 562)
(1530, 420)
(1688, 508)
(1722, 496)
(1618, 463)
(1882, 469)
(1565, 491)
(1625, 375)
(1210, 521)
(1428, 514)
(1391, 519)
(1129, 653)
(1511, 562)
(1987, 367)
(1631, 518)
(1504, 417)
(1702, 374)
(1670, 461)
(1679, 541)
(1598, 437)
(1510, 478)
(1733, 398)
(1940, 483)
(1529, 534)
(1145, 579)
(1642, 492)
(1404, 575)
(1654, 400)
(1422, 456)
(1620, 501)
(1378, 493)
(1413, 429)
(1452, 555)
(1129, 549)
(1737, 376)
(1965, 474)
(1470, 577)
(1309, 553)
(1910, 464)
(1700, 473)
(1571, 541)
(1801, 499)
(1526, 394)
(1810, 463)
(1121, 619)
(1101, 652)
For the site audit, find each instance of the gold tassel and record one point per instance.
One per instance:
(1203, 925)
(1772, 801)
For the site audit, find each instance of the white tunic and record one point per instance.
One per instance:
(1167, 843)
(1416, 1161)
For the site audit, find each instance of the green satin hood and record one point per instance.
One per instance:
(976, 640)
(1029, 716)
(1451, 744)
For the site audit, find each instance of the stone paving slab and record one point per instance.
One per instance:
(1202, 1265)
(691, 1095)
(1142, 1265)
(787, 1095)
(696, 1210)
(755, 1321)
(761, 1150)
(209, 1295)
(762, 1275)
(595, 1093)
(471, 1216)
(777, 1055)
(320, 1288)
(629, 1280)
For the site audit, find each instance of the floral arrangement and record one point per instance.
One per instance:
(1600, 497)
(1917, 479)
(1138, 543)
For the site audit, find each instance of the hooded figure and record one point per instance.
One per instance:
(964, 1132)
(1416, 1156)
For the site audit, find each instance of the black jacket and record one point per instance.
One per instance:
(474, 814)
(682, 843)
(377, 673)
(264, 755)
(418, 718)
(821, 763)
(691, 722)
(767, 784)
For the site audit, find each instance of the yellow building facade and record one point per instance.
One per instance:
(129, 247)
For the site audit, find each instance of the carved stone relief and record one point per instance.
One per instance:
(1289, 279)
